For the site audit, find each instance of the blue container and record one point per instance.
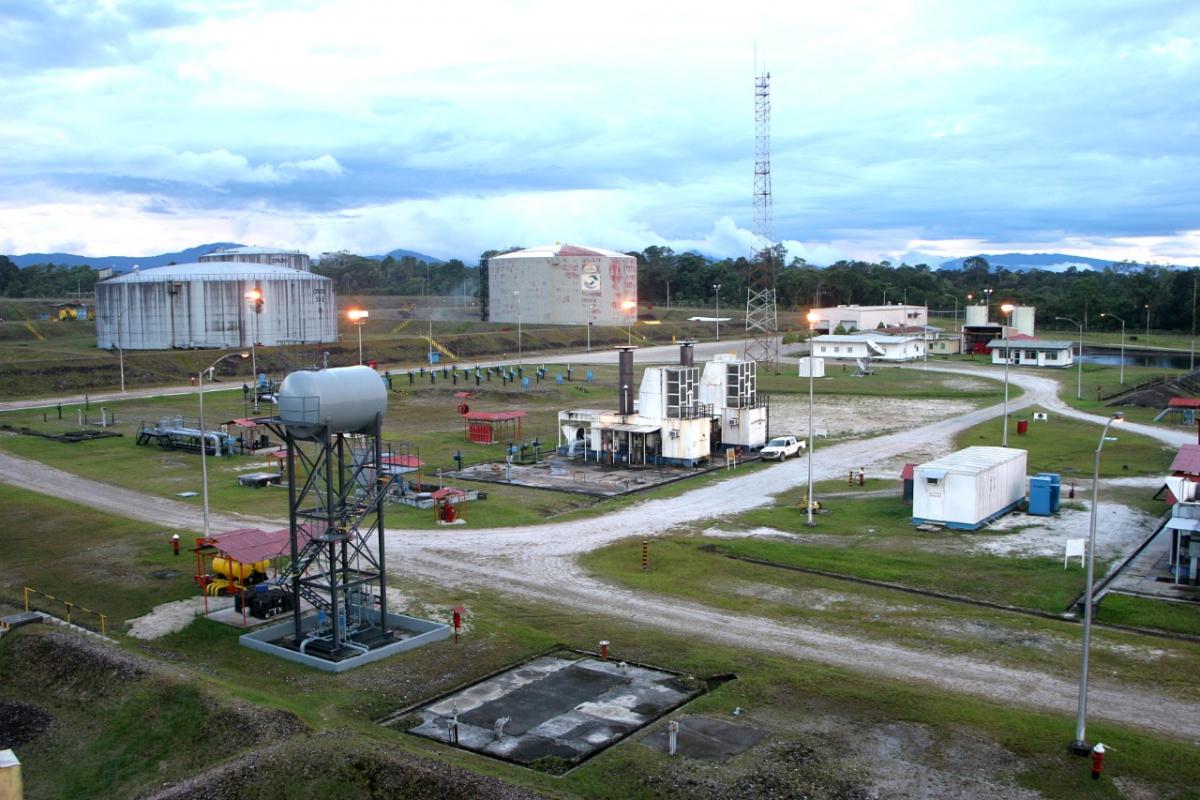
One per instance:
(1039, 496)
(1055, 489)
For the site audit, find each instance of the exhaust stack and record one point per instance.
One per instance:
(687, 355)
(625, 380)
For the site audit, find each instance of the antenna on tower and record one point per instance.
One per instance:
(762, 326)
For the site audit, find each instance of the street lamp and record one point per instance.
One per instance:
(1080, 745)
(120, 341)
(203, 443)
(255, 297)
(1079, 380)
(1118, 319)
(1147, 323)
(812, 317)
(517, 295)
(359, 317)
(628, 307)
(717, 295)
(1007, 308)
(987, 305)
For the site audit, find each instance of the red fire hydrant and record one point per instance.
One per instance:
(457, 623)
(175, 544)
(1097, 761)
(604, 649)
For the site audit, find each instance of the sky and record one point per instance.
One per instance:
(911, 131)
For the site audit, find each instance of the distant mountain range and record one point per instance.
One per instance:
(1051, 262)
(400, 253)
(120, 263)
(191, 254)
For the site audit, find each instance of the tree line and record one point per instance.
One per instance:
(1124, 290)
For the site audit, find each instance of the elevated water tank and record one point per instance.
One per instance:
(346, 399)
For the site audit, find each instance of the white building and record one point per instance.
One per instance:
(674, 419)
(869, 345)
(970, 488)
(869, 318)
(1031, 352)
(563, 284)
(204, 305)
(261, 255)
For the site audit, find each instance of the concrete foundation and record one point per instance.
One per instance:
(558, 708)
(406, 633)
(706, 738)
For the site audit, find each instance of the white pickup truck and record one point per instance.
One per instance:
(781, 447)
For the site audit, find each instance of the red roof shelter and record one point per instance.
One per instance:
(483, 425)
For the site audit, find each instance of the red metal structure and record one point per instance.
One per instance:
(482, 426)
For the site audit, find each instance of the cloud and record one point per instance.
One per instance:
(355, 125)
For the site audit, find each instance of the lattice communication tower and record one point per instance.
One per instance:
(762, 325)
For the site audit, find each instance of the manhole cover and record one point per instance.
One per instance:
(164, 574)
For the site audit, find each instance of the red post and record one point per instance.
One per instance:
(862, 477)
(457, 624)
(604, 649)
(175, 544)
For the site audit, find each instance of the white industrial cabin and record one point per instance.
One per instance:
(730, 386)
(868, 318)
(869, 345)
(815, 365)
(970, 488)
(1033, 352)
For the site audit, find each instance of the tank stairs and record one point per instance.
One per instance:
(362, 504)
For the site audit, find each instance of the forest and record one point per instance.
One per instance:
(1129, 291)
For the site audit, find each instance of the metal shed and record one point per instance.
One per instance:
(970, 488)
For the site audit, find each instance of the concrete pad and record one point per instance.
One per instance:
(561, 708)
(706, 738)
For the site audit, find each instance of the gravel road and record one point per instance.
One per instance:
(540, 563)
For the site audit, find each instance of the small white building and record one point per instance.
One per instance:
(869, 318)
(869, 345)
(1033, 352)
(970, 488)
(813, 365)
(945, 346)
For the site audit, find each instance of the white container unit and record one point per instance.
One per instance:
(970, 488)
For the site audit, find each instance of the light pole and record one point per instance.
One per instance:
(717, 295)
(987, 305)
(812, 317)
(429, 311)
(589, 336)
(517, 295)
(1147, 323)
(668, 295)
(1080, 745)
(1118, 319)
(1007, 308)
(255, 296)
(359, 317)
(1079, 359)
(1192, 346)
(629, 306)
(203, 440)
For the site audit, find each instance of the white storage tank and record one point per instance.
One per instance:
(563, 284)
(970, 488)
(977, 315)
(1023, 319)
(344, 399)
(205, 305)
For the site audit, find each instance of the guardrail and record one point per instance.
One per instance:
(70, 607)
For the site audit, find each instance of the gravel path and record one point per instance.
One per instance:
(540, 563)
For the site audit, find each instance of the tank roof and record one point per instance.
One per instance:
(553, 250)
(252, 250)
(215, 270)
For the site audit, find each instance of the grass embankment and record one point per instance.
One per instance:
(1143, 612)
(156, 731)
(1068, 446)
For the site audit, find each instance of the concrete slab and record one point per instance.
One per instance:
(560, 709)
(706, 738)
(581, 477)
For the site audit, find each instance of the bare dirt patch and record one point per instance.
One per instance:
(1118, 530)
(850, 416)
(174, 616)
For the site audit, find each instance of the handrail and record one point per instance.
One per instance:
(70, 606)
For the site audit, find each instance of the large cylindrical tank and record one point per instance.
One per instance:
(346, 399)
(1023, 319)
(977, 315)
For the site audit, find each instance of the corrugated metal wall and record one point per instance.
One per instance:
(213, 313)
(563, 290)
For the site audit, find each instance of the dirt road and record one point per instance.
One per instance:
(540, 563)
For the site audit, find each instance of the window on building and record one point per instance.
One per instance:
(836, 349)
(1052, 355)
(1031, 355)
